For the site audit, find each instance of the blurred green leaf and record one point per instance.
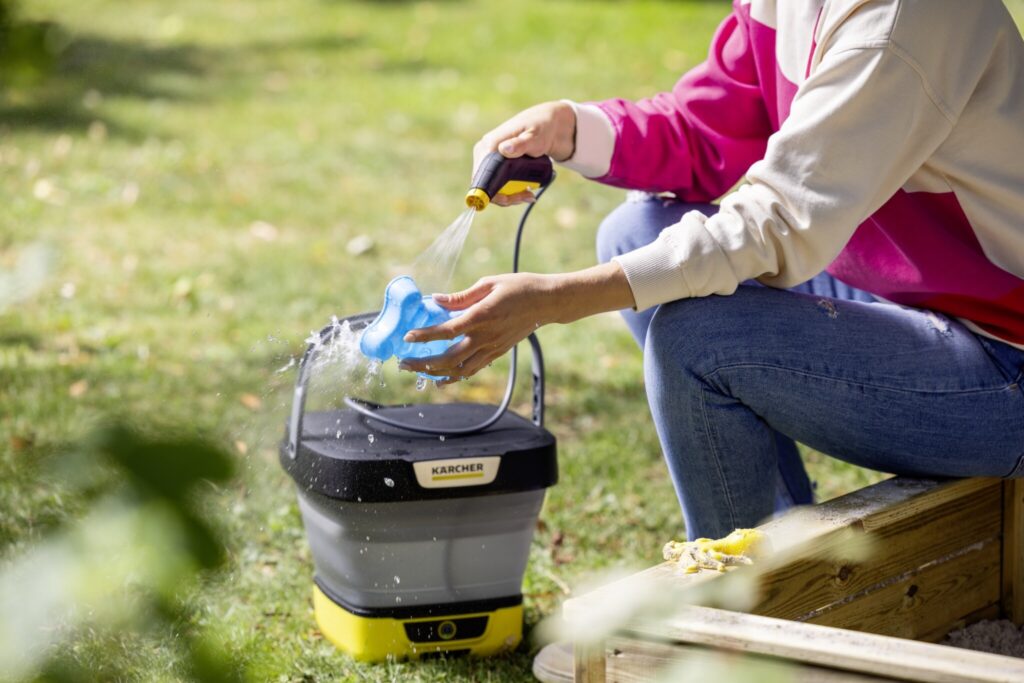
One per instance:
(170, 468)
(126, 565)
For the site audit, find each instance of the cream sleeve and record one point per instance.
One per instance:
(858, 128)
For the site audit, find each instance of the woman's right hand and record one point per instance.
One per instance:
(547, 128)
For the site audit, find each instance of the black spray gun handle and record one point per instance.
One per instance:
(497, 174)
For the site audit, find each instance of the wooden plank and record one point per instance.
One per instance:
(635, 661)
(985, 613)
(830, 647)
(905, 536)
(945, 538)
(588, 663)
(1013, 550)
(816, 523)
(888, 504)
(926, 503)
(924, 601)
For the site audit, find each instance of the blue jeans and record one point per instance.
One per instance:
(734, 381)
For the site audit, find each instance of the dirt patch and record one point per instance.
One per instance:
(1000, 637)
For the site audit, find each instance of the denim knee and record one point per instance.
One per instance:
(691, 337)
(669, 349)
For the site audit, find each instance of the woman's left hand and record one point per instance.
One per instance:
(499, 312)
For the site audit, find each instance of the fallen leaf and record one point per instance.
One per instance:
(20, 443)
(92, 98)
(78, 389)
(359, 245)
(262, 230)
(97, 131)
(130, 193)
(251, 401)
(566, 217)
(43, 189)
(62, 146)
(182, 288)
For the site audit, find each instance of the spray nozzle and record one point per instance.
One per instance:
(500, 175)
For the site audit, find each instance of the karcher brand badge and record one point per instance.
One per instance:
(440, 474)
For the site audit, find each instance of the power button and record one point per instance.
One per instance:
(446, 630)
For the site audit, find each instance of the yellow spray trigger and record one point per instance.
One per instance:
(516, 186)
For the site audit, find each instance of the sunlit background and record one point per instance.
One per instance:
(186, 190)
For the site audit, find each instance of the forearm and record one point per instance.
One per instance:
(587, 292)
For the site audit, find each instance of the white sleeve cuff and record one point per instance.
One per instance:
(684, 261)
(595, 141)
(654, 274)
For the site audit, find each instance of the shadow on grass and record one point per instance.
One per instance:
(20, 338)
(328, 42)
(92, 67)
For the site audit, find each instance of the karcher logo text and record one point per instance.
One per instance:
(457, 469)
(450, 472)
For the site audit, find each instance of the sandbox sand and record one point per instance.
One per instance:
(998, 637)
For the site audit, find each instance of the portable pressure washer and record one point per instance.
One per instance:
(420, 517)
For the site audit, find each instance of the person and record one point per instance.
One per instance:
(861, 291)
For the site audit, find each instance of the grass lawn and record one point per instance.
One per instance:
(197, 170)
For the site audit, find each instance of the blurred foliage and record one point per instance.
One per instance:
(201, 173)
(126, 564)
(28, 49)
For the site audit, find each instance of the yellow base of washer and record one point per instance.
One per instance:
(376, 639)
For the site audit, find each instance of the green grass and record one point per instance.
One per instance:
(169, 130)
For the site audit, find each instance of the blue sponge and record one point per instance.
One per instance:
(405, 308)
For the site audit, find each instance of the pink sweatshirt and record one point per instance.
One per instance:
(881, 140)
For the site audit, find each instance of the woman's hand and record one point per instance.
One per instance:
(548, 128)
(501, 311)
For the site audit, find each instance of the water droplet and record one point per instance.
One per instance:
(398, 579)
(420, 414)
(398, 598)
(441, 437)
(421, 383)
(389, 482)
(369, 437)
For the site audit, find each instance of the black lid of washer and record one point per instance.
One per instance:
(336, 458)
